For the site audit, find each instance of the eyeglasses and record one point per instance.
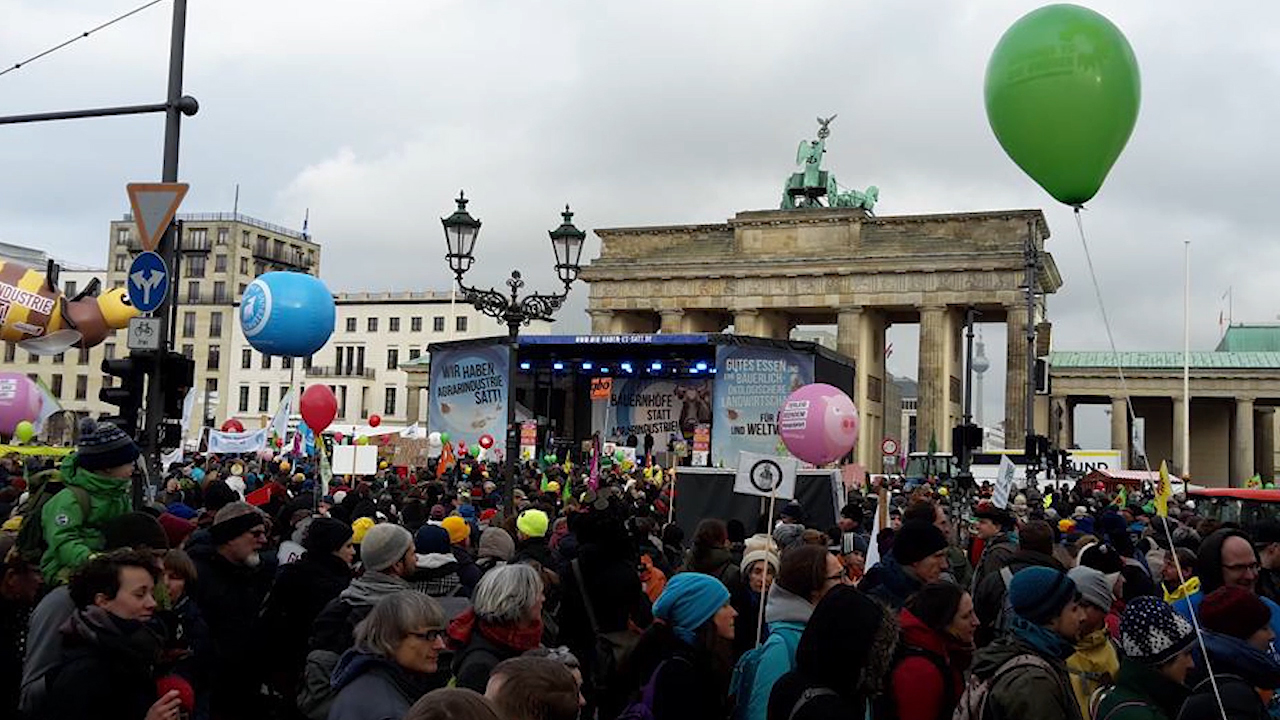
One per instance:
(428, 636)
(1243, 567)
(258, 533)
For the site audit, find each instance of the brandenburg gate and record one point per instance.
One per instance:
(809, 263)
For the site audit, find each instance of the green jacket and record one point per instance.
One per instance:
(71, 538)
(1027, 690)
(1142, 693)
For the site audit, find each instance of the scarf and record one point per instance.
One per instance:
(130, 641)
(1040, 638)
(522, 638)
(371, 587)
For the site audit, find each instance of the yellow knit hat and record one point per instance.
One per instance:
(457, 528)
(359, 528)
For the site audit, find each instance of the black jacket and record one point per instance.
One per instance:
(687, 683)
(890, 583)
(107, 672)
(230, 596)
(536, 549)
(301, 591)
(473, 664)
(468, 572)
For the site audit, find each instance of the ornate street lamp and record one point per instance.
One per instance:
(460, 233)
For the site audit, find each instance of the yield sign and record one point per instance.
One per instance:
(154, 205)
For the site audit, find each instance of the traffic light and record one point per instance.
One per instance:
(170, 435)
(127, 391)
(177, 376)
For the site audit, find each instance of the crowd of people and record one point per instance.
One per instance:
(246, 589)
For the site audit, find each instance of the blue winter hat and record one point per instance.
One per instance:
(1038, 594)
(468, 512)
(431, 539)
(182, 510)
(690, 600)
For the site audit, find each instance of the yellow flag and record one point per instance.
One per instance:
(1164, 491)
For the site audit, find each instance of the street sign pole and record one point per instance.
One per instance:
(168, 244)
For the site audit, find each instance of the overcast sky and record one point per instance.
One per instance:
(374, 113)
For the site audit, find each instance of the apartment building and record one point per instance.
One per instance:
(373, 334)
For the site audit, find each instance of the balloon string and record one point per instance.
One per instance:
(1124, 387)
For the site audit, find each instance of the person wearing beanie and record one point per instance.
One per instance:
(994, 527)
(682, 653)
(1025, 667)
(437, 568)
(1157, 645)
(232, 580)
(1095, 662)
(919, 557)
(97, 481)
(176, 529)
(301, 591)
(496, 548)
(532, 542)
(1035, 549)
(359, 528)
(1237, 634)
(759, 567)
(460, 541)
(1226, 558)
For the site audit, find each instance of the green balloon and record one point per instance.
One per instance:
(475, 451)
(444, 438)
(619, 456)
(1269, 486)
(1062, 94)
(24, 431)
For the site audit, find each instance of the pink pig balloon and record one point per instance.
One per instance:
(818, 423)
(20, 400)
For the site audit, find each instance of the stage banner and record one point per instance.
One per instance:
(751, 384)
(668, 409)
(468, 394)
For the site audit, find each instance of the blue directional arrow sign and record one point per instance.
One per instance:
(148, 281)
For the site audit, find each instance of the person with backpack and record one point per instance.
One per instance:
(806, 574)
(1023, 673)
(918, 557)
(710, 553)
(1151, 684)
(1235, 626)
(1095, 662)
(938, 624)
(682, 661)
(995, 528)
(842, 662)
(97, 480)
(990, 599)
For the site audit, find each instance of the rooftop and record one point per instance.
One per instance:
(1251, 338)
(237, 218)
(349, 298)
(1166, 360)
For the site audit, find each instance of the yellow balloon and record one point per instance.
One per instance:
(944, 492)
(362, 440)
(383, 465)
(284, 464)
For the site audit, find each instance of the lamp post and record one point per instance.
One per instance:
(460, 232)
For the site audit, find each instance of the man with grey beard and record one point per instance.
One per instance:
(232, 579)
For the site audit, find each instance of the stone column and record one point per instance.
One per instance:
(601, 321)
(1242, 460)
(1264, 453)
(1119, 429)
(745, 321)
(672, 322)
(1060, 421)
(1015, 383)
(413, 405)
(933, 378)
(1179, 419)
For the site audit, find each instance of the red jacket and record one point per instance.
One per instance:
(919, 690)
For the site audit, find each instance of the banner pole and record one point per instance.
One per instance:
(671, 502)
(764, 595)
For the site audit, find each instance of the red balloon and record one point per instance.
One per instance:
(232, 425)
(486, 441)
(319, 407)
(375, 420)
(337, 437)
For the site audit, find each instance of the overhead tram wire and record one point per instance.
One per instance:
(81, 36)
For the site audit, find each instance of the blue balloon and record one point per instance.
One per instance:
(287, 313)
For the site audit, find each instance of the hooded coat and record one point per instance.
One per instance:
(919, 689)
(787, 614)
(996, 553)
(1242, 673)
(1095, 664)
(890, 582)
(107, 672)
(845, 653)
(1026, 690)
(1142, 693)
(1209, 573)
(371, 687)
(70, 536)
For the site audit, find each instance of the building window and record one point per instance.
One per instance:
(222, 235)
(264, 398)
(122, 263)
(284, 390)
(215, 357)
(117, 284)
(211, 385)
(414, 353)
(244, 398)
(10, 352)
(306, 363)
(246, 359)
(393, 359)
(195, 266)
(437, 323)
(244, 239)
(55, 386)
(188, 324)
(460, 324)
(373, 324)
(71, 288)
(390, 407)
(244, 266)
(360, 360)
(337, 360)
(189, 351)
(57, 359)
(415, 324)
(219, 291)
(351, 324)
(84, 357)
(33, 358)
(122, 236)
(266, 362)
(193, 292)
(108, 351)
(286, 363)
(241, 290)
(215, 324)
(220, 263)
(82, 387)
(394, 325)
(199, 238)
